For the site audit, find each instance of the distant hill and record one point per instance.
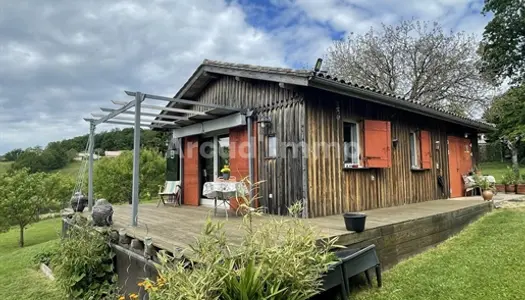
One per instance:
(57, 155)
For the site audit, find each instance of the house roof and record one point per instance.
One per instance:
(210, 69)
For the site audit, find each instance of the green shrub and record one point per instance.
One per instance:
(84, 265)
(113, 176)
(276, 260)
(46, 254)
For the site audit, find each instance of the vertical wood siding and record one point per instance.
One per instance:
(245, 94)
(333, 190)
(280, 177)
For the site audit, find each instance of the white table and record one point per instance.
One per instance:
(223, 191)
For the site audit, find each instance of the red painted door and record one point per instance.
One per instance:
(191, 188)
(456, 184)
(460, 163)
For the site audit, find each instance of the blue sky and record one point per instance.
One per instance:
(61, 60)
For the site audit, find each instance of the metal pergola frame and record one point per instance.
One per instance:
(160, 121)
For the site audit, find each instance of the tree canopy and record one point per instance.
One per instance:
(57, 154)
(503, 46)
(417, 60)
(508, 114)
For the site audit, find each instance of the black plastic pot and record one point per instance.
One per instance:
(355, 221)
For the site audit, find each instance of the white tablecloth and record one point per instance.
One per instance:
(224, 189)
(472, 181)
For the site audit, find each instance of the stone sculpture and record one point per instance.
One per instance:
(102, 213)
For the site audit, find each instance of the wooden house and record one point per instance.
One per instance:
(332, 144)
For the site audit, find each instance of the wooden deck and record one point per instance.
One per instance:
(173, 228)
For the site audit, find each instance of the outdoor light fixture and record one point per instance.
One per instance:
(395, 142)
(466, 135)
(318, 65)
(266, 123)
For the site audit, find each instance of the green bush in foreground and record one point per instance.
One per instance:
(84, 265)
(276, 260)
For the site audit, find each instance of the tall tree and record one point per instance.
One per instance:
(508, 114)
(414, 59)
(503, 46)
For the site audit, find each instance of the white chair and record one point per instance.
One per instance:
(172, 190)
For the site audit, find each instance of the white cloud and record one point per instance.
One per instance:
(62, 60)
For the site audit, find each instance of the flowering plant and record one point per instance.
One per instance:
(225, 169)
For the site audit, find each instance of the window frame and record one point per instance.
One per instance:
(415, 149)
(268, 146)
(353, 164)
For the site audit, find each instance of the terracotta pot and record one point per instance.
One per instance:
(487, 195)
(510, 188)
(500, 188)
(520, 188)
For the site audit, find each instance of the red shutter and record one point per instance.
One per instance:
(426, 150)
(377, 145)
(191, 188)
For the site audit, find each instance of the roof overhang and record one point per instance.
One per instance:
(373, 96)
(211, 70)
(234, 120)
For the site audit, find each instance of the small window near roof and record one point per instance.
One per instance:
(414, 150)
(272, 146)
(351, 144)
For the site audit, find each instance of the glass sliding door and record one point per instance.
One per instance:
(214, 154)
(223, 157)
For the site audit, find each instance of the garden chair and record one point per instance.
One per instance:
(470, 185)
(172, 190)
(356, 261)
(335, 278)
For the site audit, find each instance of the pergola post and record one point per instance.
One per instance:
(136, 161)
(90, 164)
(249, 116)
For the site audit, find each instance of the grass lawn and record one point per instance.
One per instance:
(496, 169)
(19, 277)
(4, 166)
(485, 261)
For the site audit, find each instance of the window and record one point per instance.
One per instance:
(224, 151)
(420, 150)
(351, 144)
(414, 150)
(272, 146)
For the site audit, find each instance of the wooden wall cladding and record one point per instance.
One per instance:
(333, 190)
(245, 93)
(281, 176)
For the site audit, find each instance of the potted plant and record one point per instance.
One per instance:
(226, 172)
(520, 185)
(510, 181)
(500, 187)
(355, 221)
(484, 184)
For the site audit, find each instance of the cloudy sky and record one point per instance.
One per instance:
(60, 60)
